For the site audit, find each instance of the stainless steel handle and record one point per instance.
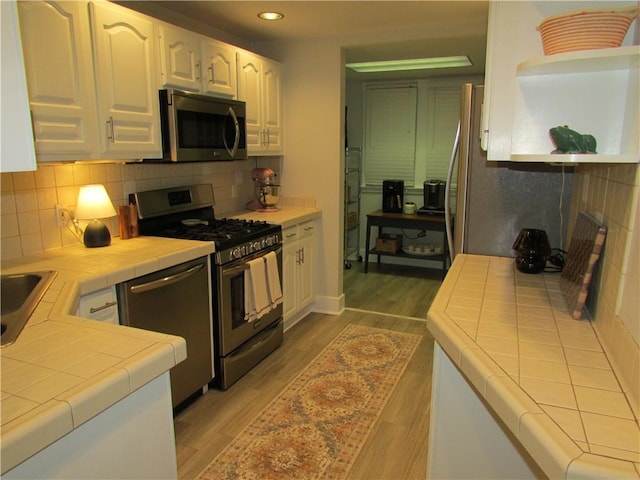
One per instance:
(236, 141)
(211, 76)
(307, 229)
(103, 307)
(234, 270)
(302, 255)
(198, 72)
(162, 282)
(110, 134)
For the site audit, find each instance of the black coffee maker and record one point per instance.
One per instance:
(434, 191)
(533, 249)
(392, 196)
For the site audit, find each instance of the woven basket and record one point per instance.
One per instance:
(586, 29)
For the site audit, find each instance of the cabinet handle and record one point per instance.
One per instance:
(298, 257)
(302, 255)
(290, 235)
(308, 229)
(198, 72)
(110, 134)
(211, 76)
(103, 307)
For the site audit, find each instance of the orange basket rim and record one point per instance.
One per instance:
(630, 12)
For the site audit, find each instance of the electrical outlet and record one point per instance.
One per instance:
(62, 216)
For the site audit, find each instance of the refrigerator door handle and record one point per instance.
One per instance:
(447, 191)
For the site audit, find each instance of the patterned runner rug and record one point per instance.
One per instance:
(317, 425)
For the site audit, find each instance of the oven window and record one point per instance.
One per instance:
(207, 130)
(237, 302)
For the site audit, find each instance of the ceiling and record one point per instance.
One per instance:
(406, 29)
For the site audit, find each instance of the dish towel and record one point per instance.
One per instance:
(273, 279)
(256, 299)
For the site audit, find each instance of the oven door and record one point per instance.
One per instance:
(232, 330)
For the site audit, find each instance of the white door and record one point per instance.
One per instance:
(127, 84)
(250, 91)
(272, 106)
(219, 69)
(60, 78)
(180, 59)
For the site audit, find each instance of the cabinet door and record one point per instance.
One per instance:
(272, 105)
(289, 287)
(305, 274)
(219, 74)
(180, 59)
(127, 84)
(60, 78)
(250, 91)
(16, 143)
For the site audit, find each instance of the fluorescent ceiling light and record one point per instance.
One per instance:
(270, 15)
(411, 64)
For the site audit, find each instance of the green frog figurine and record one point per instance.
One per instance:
(570, 141)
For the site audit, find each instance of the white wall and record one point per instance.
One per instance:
(314, 160)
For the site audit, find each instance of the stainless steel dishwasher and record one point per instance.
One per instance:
(177, 301)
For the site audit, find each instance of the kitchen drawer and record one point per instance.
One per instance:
(101, 305)
(299, 231)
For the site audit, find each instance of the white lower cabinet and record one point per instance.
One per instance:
(134, 438)
(298, 270)
(101, 305)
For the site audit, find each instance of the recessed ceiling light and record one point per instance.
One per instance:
(412, 64)
(270, 15)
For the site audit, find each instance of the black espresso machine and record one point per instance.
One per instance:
(434, 192)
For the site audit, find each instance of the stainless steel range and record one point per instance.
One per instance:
(187, 212)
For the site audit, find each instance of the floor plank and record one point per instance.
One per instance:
(397, 445)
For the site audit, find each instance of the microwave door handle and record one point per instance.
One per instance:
(236, 141)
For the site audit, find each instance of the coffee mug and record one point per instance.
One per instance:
(409, 208)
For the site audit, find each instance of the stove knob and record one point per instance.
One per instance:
(235, 253)
(256, 246)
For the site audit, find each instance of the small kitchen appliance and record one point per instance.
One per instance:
(267, 192)
(187, 213)
(533, 249)
(392, 196)
(433, 192)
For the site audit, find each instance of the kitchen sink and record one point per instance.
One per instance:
(20, 294)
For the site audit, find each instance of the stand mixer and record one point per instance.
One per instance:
(267, 192)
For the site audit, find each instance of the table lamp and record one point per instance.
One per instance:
(93, 204)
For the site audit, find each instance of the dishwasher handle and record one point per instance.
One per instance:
(163, 282)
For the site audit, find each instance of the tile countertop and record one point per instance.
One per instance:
(286, 216)
(63, 370)
(542, 372)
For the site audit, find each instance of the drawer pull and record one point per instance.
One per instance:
(103, 307)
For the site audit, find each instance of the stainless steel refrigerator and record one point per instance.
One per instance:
(493, 201)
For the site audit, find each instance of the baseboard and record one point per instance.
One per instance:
(329, 305)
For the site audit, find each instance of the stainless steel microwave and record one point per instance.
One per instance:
(200, 128)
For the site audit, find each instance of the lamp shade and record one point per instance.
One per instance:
(94, 202)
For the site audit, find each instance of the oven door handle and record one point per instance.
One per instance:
(163, 282)
(232, 271)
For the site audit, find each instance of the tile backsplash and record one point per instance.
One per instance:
(611, 194)
(29, 198)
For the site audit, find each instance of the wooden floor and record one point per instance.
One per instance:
(397, 446)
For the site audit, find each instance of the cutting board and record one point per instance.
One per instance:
(582, 257)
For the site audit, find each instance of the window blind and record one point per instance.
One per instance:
(443, 106)
(390, 133)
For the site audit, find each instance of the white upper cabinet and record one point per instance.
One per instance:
(196, 63)
(260, 86)
(526, 93)
(60, 78)
(16, 143)
(127, 82)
